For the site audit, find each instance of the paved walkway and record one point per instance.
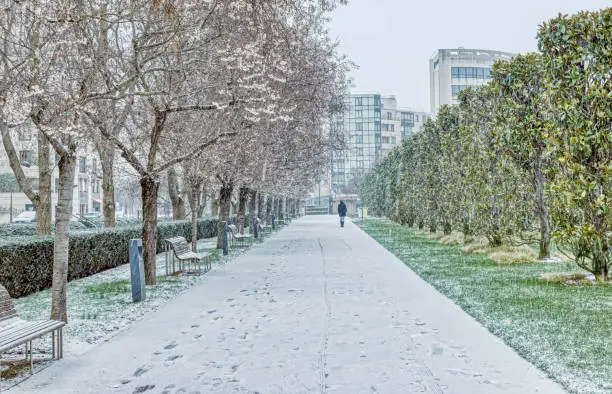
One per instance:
(314, 309)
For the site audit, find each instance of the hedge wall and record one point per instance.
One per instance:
(26, 263)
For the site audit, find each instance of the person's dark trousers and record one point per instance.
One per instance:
(341, 221)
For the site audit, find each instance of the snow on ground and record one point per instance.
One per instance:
(100, 306)
(314, 309)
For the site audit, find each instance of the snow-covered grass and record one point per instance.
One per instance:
(564, 329)
(100, 306)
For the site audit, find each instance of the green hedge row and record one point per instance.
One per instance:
(26, 263)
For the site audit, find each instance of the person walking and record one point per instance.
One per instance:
(342, 212)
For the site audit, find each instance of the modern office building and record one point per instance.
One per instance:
(360, 128)
(452, 70)
(371, 126)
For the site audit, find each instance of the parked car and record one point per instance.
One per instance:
(25, 217)
(93, 215)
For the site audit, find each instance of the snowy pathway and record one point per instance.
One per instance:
(314, 309)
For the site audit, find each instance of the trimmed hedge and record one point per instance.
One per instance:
(26, 263)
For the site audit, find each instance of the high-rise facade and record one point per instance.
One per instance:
(452, 70)
(360, 127)
(371, 126)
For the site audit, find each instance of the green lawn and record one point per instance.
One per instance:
(565, 330)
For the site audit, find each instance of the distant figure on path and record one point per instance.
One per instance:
(342, 212)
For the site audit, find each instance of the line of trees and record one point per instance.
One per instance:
(225, 92)
(525, 158)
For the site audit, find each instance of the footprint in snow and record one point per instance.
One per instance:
(142, 389)
(140, 371)
(171, 346)
(175, 357)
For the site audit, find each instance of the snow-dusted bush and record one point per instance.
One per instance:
(26, 263)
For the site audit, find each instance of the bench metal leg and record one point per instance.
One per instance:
(53, 345)
(61, 343)
(31, 360)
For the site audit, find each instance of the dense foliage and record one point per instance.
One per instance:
(26, 262)
(525, 158)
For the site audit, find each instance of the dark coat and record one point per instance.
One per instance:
(342, 208)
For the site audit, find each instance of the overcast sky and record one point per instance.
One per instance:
(392, 40)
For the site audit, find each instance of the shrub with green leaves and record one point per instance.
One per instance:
(577, 53)
(26, 263)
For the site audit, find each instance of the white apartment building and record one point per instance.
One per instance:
(372, 126)
(398, 124)
(87, 195)
(452, 70)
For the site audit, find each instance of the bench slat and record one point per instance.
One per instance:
(30, 336)
(25, 329)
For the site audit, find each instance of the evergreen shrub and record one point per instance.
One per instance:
(26, 262)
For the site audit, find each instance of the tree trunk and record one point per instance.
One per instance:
(252, 209)
(107, 157)
(178, 203)
(225, 200)
(194, 203)
(43, 209)
(260, 205)
(149, 186)
(269, 207)
(203, 202)
(243, 197)
(279, 207)
(214, 207)
(421, 224)
(67, 166)
(447, 228)
(542, 209)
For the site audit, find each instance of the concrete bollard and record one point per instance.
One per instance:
(137, 273)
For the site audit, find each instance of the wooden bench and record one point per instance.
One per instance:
(177, 247)
(263, 228)
(238, 238)
(15, 331)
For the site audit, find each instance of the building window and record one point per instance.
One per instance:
(82, 165)
(35, 183)
(376, 126)
(385, 127)
(24, 136)
(359, 151)
(392, 127)
(83, 184)
(471, 72)
(26, 157)
(416, 117)
(456, 89)
(359, 139)
(358, 100)
(359, 114)
(389, 116)
(359, 126)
